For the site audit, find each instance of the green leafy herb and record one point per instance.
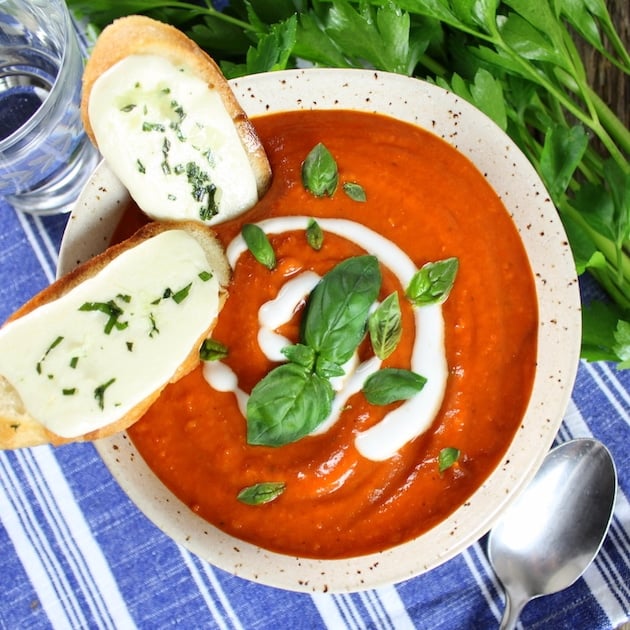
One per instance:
(50, 348)
(314, 235)
(433, 282)
(286, 405)
(391, 385)
(301, 355)
(204, 276)
(339, 306)
(202, 190)
(385, 326)
(259, 245)
(296, 397)
(212, 350)
(261, 493)
(99, 392)
(109, 308)
(147, 126)
(355, 191)
(179, 296)
(319, 172)
(447, 457)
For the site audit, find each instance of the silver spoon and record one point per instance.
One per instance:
(554, 529)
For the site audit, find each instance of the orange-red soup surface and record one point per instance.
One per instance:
(434, 204)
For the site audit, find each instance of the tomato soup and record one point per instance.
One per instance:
(428, 200)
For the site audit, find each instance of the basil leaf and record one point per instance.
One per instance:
(301, 355)
(447, 457)
(260, 493)
(433, 282)
(286, 405)
(319, 172)
(259, 245)
(355, 191)
(385, 326)
(338, 308)
(328, 369)
(314, 235)
(391, 385)
(212, 350)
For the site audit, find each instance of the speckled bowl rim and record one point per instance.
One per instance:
(516, 182)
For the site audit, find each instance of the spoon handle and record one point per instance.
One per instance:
(513, 608)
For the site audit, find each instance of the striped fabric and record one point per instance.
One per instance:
(76, 553)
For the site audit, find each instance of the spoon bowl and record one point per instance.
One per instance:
(555, 528)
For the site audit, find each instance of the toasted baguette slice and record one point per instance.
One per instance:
(17, 426)
(141, 36)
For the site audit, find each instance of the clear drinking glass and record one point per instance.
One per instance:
(45, 155)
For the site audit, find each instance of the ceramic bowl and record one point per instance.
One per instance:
(516, 182)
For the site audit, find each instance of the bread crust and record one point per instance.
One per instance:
(140, 35)
(17, 428)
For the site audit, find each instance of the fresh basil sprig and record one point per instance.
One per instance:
(391, 385)
(261, 493)
(433, 282)
(294, 398)
(385, 326)
(320, 175)
(259, 245)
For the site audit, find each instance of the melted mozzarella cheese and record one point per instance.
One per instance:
(170, 140)
(81, 362)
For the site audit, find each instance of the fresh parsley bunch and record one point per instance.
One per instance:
(516, 60)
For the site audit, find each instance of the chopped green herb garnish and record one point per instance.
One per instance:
(128, 108)
(130, 346)
(147, 126)
(202, 190)
(51, 347)
(111, 309)
(74, 362)
(141, 167)
(99, 393)
(182, 294)
(154, 329)
(204, 276)
(212, 350)
(70, 391)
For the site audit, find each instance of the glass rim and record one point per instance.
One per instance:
(69, 39)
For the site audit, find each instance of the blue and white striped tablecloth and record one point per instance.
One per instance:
(76, 553)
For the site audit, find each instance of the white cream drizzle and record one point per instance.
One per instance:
(412, 417)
